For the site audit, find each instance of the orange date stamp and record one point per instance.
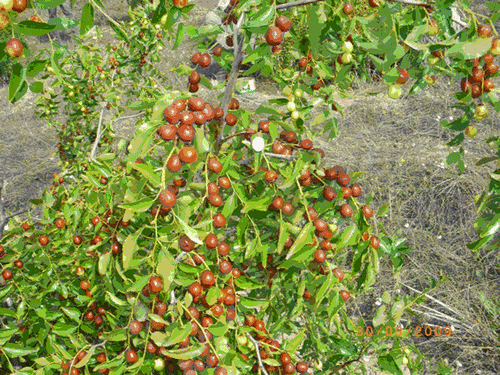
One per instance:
(417, 331)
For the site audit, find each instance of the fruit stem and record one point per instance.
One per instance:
(257, 351)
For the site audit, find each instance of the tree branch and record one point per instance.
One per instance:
(296, 4)
(257, 350)
(230, 86)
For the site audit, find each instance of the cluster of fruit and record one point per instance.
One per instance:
(274, 35)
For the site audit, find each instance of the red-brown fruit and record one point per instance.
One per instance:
(167, 132)
(167, 198)
(345, 295)
(172, 114)
(274, 36)
(207, 278)
(131, 356)
(231, 119)
(338, 273)
(346, 210)
(218, 51)
(174, 163)
(403, 76)
(135, 327)
(367, 211)
(155, 284)
(205, 60)
(194, 78)
(188, 154)
(355, 190)
(283, 23)
(348, 9)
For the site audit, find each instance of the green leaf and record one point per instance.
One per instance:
(388, 364)
(114, 299)
(470, 50)
(166, 268)
(63, 329)
(148, 171)
(7, 312)
(179, 36)
(17, 85)
(315, 28)
(262, 17)
(32, 28)
(383, 210)
(178, 334)
(104, 263)
(119, 334)
(140, 205)
(87, 21)
(72, 313)
(36, 87)
(4, 292)
(247, 283)
(492, 227)
(130, 247)
(49, 4)
(265, 108)
(305, 237)
(292, 345)
(323, 116)
(85, 359)
(190, 232)
(186, 353)
(119, 32)
(16, 350)
(487, 160)
(349, 236)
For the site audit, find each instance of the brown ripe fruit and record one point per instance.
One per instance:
(343, 179)
(278, 147)
(306, 144)
(348, 9)
(43, 240)
(212, 360)
(283, 23)
(278, 203)
(212, 188)
(367, 211)
(355, 190)
(186, 244)
(219, 221)
(488, 57)
(274, 36)
(207, 278)
(302, 62)
(231, 119)
(204, 60)
(195, 289)
(484, 31)
(174, 163)
(196, 104)
(7, 274)
(167, 198)
(214, 165)
(329, 193)
(26, 227)
(188, 154)
(288, 209)
(403, 76)
(194, 78)
(490, 69)
(223, 249)
(346, 192)
(285, 358)
(488, 85)
(14, 48)
(19, 6)
(135, 327)
(477, 74)
(374, 242)
(225, 267)
(345, 295)
(271, 176)
(476, 91)
(250, 320)
(319, 256)
(59, 223)
(186, 132)
(465, 85)
(171, 114)
(311, 214)
(320, 225)
(131, 356)
(307, 294)
(338, 273)
(84, 285)
(218, 51)
(215, 200)
(302, 367)
(224, 182)
(155, 284)
(211, 241)
(346, 210)
(167, 132)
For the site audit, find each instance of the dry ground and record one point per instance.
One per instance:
(400, 148)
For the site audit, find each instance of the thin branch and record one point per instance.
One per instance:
(269, 154)
(296, 4)
(230, 86)
(257, 350)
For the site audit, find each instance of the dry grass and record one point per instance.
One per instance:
(430, 204)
